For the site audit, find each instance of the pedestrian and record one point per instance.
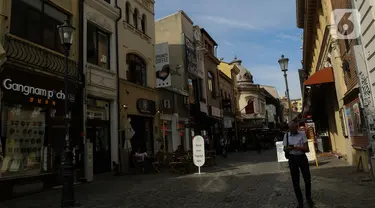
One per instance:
(296, 145)
(244, 143)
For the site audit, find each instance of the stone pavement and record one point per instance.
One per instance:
(242, 180)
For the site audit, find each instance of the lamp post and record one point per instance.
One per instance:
(66, 32)
(284, 68)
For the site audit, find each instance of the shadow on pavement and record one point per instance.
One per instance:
(240, 190)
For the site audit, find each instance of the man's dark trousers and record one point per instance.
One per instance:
(297, 163)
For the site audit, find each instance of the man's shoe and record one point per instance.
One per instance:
(310, 202)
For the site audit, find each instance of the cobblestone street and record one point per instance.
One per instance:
(241, 180)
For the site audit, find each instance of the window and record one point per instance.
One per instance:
(135, 18)
(143, 24)
(97, 46)
(136, 70)
(38, 23)
(210, 81)
(127, 12)
(191, 91)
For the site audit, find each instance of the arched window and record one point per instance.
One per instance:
(210, 80)
(127, 12)
(249, 108)
(136, 70)
(143, 24)
(135, 18)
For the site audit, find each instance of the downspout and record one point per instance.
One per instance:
(118, 88)
(83, 79)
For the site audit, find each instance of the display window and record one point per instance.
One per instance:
(24, 147)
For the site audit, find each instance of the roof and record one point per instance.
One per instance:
(271, 90)
(208, 35)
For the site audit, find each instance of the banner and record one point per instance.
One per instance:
(163, 71)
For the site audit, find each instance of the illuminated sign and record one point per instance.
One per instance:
(30, 90)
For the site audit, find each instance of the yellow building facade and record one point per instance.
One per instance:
(324, 97)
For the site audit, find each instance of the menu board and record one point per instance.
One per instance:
(310, 130)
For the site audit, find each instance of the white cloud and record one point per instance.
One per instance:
(232, 23)
(289, 37)
(228, 43)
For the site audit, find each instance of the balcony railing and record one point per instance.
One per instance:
(26, 53)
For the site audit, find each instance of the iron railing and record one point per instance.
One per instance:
(29, 54)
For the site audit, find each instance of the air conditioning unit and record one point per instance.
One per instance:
(166, 103)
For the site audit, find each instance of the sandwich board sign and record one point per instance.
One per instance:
(199, 157)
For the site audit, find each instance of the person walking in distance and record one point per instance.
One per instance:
(296, 145)
(244, 143)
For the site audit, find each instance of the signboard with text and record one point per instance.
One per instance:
(199, 157)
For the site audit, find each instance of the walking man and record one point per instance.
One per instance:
(244, 143)
(295, 142)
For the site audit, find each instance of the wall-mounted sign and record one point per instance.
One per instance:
(25, 89)
(191, 56)
(163, 76)
(146, 106)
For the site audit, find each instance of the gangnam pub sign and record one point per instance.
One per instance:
(29, 90)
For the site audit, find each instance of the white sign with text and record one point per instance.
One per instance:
(199, 157)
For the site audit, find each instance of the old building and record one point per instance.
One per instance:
(32, 92)
(212, 122)
(173, 90)
(228, 105)
(251, 99)
(330, 86)
(362, 53)
(274, 112)
(100, 68)
(138, 100)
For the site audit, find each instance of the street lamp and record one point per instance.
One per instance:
(66, 32)
(284, 68)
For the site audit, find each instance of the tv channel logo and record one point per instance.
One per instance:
(345, 24)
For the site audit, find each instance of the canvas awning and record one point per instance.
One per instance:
(322, 76)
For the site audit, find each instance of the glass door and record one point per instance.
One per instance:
(99, 134)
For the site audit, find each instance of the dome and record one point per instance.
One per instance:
(244, 75)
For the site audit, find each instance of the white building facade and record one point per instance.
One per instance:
(100, 69)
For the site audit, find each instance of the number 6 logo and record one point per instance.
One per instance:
(345, 24)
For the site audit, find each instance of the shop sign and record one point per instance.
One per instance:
(146, 106)
(32, 91)
(191, 57)
(163, 76)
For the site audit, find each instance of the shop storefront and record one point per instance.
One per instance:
(143, 126)
(99, 134)
(32, 124)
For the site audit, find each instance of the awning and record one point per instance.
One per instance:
(324, 75)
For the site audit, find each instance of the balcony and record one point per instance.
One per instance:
(20, 52)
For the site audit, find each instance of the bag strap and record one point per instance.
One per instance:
(287, 138)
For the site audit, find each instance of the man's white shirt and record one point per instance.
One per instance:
(298, 139)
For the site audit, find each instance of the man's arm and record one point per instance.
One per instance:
(305, 147)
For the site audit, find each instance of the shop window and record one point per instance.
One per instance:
(97, 46)
(136, 72)
(23, 144)
(127, 12)
(37, 22)
(143, 24)
(135, 18)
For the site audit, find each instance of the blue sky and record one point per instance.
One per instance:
(257, 32)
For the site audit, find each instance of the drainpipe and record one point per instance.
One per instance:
(83, 79)
(118, 87)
